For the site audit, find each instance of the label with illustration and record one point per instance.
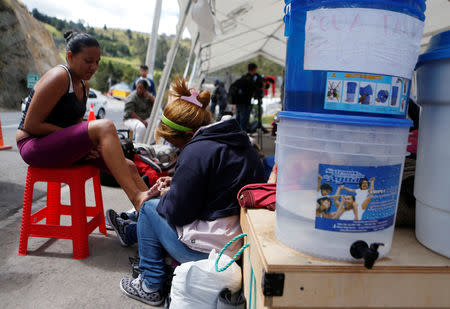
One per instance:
(356, 199)
(367, 93)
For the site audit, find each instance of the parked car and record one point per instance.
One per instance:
(120, 90)
(99, 102)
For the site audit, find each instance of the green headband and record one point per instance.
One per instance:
(174, 125)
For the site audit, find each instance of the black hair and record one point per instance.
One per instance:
(252, 66)
(76, 40)
(361, 181)
(144, 67)
(143, 82)
(320, 200)
(325, 186)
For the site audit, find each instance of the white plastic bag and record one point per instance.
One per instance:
(198, 284)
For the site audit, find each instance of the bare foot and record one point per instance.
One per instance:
(141, 197)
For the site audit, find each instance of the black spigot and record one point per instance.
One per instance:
(360, 249)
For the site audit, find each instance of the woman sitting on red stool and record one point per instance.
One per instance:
(51, 133)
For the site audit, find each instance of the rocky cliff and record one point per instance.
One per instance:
(26, 47)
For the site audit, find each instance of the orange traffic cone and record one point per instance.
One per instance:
(2, 146)
(91, 113)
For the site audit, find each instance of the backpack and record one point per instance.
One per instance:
(241, 90)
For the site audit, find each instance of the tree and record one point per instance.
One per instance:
(129, 34)
(161, 53)
(139, 47)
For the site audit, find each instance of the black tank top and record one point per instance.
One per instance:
(67, 111)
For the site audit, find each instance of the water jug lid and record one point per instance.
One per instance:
(438, 48)
(348, 119)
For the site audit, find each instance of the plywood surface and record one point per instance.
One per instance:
(411, 276)
(406, 254)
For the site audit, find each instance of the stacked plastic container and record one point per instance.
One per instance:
(342, 137)
(432, 182)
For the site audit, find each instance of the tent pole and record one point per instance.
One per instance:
(194, 69)
(153, 41)
(153, 120)
(190, 55)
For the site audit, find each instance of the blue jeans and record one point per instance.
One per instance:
(243, 115)
(156, 237)
(131, 233)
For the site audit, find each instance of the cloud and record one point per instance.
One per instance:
(136, 15)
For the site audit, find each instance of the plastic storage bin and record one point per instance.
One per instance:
(432, 182)
(351, 57)
(338, 181)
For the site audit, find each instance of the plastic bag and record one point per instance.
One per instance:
(198, 284)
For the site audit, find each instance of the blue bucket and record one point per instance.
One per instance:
(351, 57)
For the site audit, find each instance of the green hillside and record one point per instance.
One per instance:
(123, 51)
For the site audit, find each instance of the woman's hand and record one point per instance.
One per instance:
(164, 182)
(164, 191)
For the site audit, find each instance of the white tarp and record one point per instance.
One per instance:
(247, 28)
(243, 30)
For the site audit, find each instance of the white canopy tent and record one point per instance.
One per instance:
(225, 33)
(243, 30)
(437, 19)
(248, 28)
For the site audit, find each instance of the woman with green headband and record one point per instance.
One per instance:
(200, 211)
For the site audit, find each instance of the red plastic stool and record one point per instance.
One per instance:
(80, 229)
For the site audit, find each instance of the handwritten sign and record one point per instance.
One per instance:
(362, 40)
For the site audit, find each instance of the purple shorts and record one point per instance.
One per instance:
(63, 148)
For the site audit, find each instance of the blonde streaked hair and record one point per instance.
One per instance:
(182, 112)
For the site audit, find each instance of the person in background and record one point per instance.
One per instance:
(250, 85)
(219, 97)
(199, 210)
(138, 106)
(143, 76)
(51, 133)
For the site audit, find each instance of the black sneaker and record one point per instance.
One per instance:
(108, 225)
(118, 224)
(134, 289)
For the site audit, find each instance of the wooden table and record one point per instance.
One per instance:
(276, 276)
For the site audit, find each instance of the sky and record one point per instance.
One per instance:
(136, 15)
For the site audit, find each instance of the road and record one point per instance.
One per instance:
(12, 168)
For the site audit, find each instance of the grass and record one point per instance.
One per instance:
(133, 61)
(55, 33)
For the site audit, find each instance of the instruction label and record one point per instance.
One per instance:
(369, 93)
(356, 199)
(362, 40)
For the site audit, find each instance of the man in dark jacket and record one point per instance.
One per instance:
(219, 97)
(248, 86)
